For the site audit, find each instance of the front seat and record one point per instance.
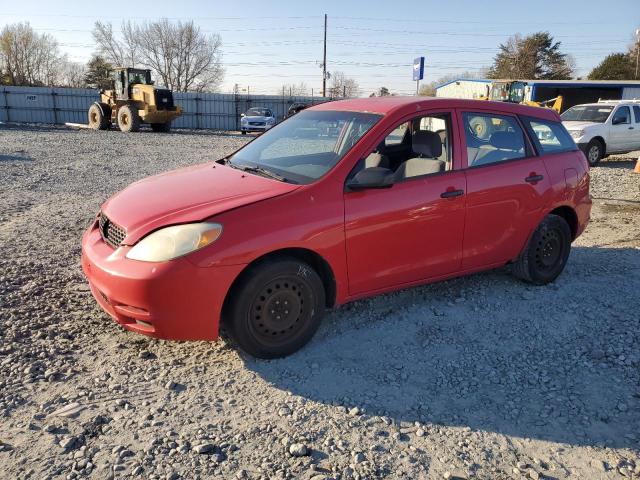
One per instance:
(427, 147)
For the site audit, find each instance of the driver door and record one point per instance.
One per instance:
(413, 230)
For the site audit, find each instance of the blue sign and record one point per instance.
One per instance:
(418, 68)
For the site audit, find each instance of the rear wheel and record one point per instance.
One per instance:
(244, 132)
(161, 127)
(276, 308)
(128, 119)
(595, 152)
(546, 254)
(99, 116)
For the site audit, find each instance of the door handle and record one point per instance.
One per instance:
(534, 179)
(452, 193)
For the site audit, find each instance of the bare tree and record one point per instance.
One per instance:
(294, 90)
(71, 74)
(28, 58)
(342, 86)
(181, 55)
(120, 52)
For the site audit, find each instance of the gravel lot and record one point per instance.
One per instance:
(481, 377)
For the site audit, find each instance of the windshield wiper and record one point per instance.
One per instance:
(263, 171)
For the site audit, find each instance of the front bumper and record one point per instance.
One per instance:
(255, 128)
(174, 300)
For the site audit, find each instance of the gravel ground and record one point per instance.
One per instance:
(480, 377)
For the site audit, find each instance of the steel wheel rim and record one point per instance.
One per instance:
(94, 117)
(125, 119)
(549, 251)
(281, 310)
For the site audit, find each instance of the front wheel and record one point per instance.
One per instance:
(276, 308)
(128, 119)
(595, 152)
(546, 254)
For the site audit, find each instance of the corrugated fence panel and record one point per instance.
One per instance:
(216, 111)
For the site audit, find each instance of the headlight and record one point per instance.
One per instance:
(243, 120)
(172, 242)
(576, 133)
(271, 121)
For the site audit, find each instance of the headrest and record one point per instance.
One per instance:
(427, 143)
(506, 140)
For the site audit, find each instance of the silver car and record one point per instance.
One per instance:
(257, 119)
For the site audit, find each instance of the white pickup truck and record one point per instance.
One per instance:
(604, 128)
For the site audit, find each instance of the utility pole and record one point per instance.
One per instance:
(324, 60)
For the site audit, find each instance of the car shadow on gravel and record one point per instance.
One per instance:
(15, 156)
(559, 363)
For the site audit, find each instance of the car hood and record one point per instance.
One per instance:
(578, 125)
(189, 194)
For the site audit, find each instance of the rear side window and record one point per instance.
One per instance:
(492, 139)
(636, 112)
(549, 137)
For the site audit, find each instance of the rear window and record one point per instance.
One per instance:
(549, 136)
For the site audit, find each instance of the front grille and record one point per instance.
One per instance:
(112, 234)
(257, 124)
(164, 99)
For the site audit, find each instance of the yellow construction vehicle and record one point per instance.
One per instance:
(133, 100)
(514, 91)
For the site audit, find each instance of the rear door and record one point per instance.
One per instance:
(507, 187)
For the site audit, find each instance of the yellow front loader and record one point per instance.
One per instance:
(514, 91)
(132, 100)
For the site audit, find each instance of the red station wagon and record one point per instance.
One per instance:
(342, 201)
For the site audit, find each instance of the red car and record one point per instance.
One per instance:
(342, 201)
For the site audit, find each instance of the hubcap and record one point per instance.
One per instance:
(125, 119)
(94, 117)
(548, 251)
(594, 153)
(281, 310)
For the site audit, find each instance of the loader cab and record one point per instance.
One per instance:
(512, 92)
(124, 78)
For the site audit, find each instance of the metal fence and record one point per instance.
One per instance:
(217, 111)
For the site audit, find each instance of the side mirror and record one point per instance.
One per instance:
(375, 177)
(617, 120)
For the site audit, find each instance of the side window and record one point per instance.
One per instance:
(492, 138)
(621, 116)
(549, 137)
(636, 113)
(420, 146)
(396, 137)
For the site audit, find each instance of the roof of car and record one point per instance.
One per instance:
(387, 105)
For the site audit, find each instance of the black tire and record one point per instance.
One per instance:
(128, 119)
(276, 308)
(594, 152)
(546, 254)
(161, 127)
(243, 132)
(99, 116)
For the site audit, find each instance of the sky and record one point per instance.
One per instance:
(272, 43)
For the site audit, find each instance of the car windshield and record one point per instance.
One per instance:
(306, 146)
(258, 112)
(587, 113)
